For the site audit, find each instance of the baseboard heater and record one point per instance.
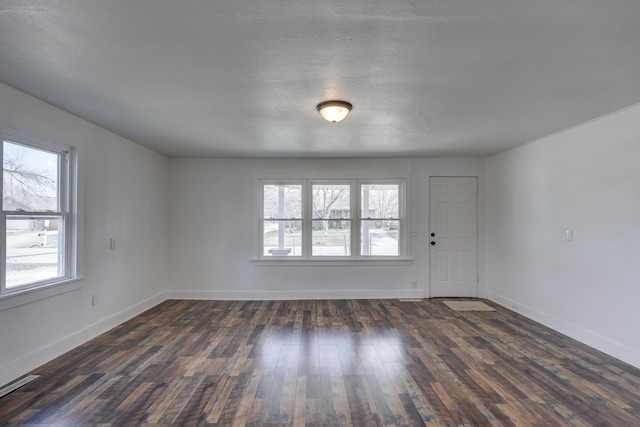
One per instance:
(13, 387)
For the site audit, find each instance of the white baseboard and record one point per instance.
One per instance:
(604, 344)
(294, 295)
(16, 368)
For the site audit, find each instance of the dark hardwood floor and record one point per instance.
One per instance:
(345, 362)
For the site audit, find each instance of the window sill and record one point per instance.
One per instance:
(378, 261)
(28, 296)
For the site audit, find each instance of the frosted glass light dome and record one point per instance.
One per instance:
(334, 111)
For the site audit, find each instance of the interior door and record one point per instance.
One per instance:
(453, 237)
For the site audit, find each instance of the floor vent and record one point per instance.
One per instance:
(13, 387)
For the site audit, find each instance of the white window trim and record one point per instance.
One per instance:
(353, 188)
(307, 179)
(69, 209)
(260, 210)
(27, 296)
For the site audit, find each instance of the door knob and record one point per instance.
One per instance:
(433, 243)
(433, 234)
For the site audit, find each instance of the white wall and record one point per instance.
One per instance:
(586, 179)
(212, 235)
(172, 232)
(123, 195)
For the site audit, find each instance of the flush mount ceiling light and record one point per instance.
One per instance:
(334, 111)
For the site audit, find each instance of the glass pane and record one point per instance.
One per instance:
(331, 238)
(33, 249)
(30, 179)
(331, 201)
(380, 238)
(282, 238)
(380, 200)
(282, 201)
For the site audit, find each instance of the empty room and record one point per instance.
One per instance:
(320, 213)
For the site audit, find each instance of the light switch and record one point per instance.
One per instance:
(569, 235)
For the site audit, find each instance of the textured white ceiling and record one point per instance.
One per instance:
(242, 77)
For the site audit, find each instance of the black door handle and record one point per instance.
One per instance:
(433, 234)
(433, 243)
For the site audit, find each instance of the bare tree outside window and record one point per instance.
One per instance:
(383, 200)
(289, 205)
(282, 214)
(331, 210)
(381, 221)
(31, 209)
(332, 218)
(29, 178)
(326, 198)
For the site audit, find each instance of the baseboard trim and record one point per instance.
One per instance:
(592, 339)
(294, 295)
(16, 368)
(16, 385)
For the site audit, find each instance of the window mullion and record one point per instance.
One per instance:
(35, 213)
(60, 193)
(63, 269)
(402, 219)
(260, 217)
(355, 220)
(3, 251)
(307, 224)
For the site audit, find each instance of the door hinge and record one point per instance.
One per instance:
(477, 278)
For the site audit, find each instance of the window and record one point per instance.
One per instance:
(282, 219)
(380, 219)
(332, 219)
(331, 226)
(37, 213)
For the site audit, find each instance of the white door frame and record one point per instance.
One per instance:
(427, 240)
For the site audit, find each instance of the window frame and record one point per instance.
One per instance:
(355, 183)
(66, 211)
(402, 217)
(262, 219)
(352, 206)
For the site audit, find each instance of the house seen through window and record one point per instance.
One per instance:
(347, 219)
(37, 214)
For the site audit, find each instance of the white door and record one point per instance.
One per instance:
(453, 236)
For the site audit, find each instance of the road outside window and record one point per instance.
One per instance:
(36, 209)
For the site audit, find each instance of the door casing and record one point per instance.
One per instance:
(453, 218)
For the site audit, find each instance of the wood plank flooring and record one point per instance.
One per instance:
(343, 362)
